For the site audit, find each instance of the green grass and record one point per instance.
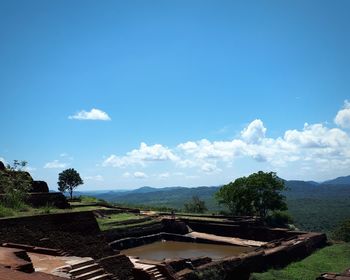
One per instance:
(107, 223)
(6, 212)
(134, 225)
(335, 258)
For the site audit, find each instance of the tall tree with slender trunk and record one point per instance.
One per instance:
(68, 180)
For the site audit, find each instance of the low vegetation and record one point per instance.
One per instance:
(195, 205)
(335, 258)
(342, 232)
(116, 221)
(14, 185)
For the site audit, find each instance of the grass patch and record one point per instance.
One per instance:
(48, 209)
(108, 223)
(6, 212)
(136, 225)
(335, 258)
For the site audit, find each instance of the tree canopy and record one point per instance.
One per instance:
(68, 180)
(195, 205)
(256, 194)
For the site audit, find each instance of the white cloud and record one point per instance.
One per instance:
(93, 114)
(140, 175)
(156, 152)
(98, 178)
(210, 168)
(29, 169)
(141, 156)
(342, 118)
(316, 145)
(55, 164)
(316, 136)
(312, 142)
(164, 175)
(254, 132)
(126, 174)
(204, 149)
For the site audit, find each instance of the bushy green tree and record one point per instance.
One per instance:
(279, 219)
(195, 205)
(256, 194)
(68, 180)
(342, 232)
(14, 184)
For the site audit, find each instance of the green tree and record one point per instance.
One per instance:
(342, 232)
(195, 205)
(256, 194)
(68, 180)
(14, 184)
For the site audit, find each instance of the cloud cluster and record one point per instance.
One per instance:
(254, 132)
(55, 164)
(97, 178)
(342, 119)
(137, 175)
(93, 114)
(311, 146)
(141, 156)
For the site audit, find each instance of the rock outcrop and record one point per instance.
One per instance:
(39, 187)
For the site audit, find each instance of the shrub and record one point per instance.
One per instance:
(279, 219)
(15, 183)
(342, 232)
(47, 209)
(195, 205)
(5, 212)
(212, 274)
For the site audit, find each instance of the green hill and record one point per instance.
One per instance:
(314, 206)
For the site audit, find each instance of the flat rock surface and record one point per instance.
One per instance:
(231, 240)
(49, 264)
(9, 274)
(9, 258)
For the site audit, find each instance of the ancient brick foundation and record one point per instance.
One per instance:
(76, 233)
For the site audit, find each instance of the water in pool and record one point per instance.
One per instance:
(172, 249)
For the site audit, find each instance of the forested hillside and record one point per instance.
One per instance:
(314, 206)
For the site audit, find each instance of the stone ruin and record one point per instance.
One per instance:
(75, 241)
(39, 194)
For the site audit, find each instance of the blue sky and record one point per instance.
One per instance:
(163, 93)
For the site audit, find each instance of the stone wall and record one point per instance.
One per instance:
(76, 233)
(137, 231)
(131, 242)
(78, 222)
(243, 231)
(41, 199)
(275, 254)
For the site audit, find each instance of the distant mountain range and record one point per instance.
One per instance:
(177, 196)
(345, 180)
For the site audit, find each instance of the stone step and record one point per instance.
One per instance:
(84, 269)
(156, 273)
(101, 277)
(90, 274)
(84, 262)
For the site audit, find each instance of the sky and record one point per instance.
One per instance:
(175, 93)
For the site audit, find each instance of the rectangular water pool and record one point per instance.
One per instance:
(172, 249)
